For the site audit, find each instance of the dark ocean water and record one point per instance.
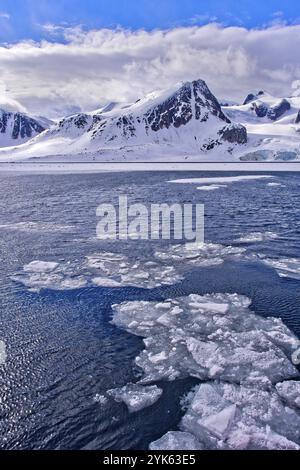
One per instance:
(62, 349)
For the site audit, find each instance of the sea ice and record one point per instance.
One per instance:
(37, 227)
(39, 275)
(232, 416)
(257, 237)
(211, 187)
(2, 352)
(211, 336)
(221, 179)
(176, 440)
(135, 396)
(285, 267)
(290, 392)
(40, 267)
(116, 270)
(198, 254)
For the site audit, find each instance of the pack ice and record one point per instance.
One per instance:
(242, 358)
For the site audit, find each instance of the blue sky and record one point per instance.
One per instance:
(22, 19)
(58, 57)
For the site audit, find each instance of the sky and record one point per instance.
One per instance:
(58, 57)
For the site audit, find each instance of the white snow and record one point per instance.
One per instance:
(135, 396)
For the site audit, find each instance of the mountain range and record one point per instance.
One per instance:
(184, 122)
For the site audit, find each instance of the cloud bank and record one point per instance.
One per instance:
(81, 70)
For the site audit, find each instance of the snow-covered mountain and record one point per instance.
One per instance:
(186, 119)
(272, 126)
(17, 127)
(185, 122)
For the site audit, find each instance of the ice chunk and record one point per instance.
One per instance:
(101, 399)
(40, 267)
(211, 187)
(290, 392)
(219, 423)
(285, 267)
(198, 254)
(257, 237)
(176, 440)
(135, 396)
(2, 352)
(232, 416)
(105, 282)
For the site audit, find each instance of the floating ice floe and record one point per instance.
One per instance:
(257, 237)
(135, 396)
(211, 336)
(231, 416)
(290, 392)
(39, 275)
(198, 254)
(2, 352)
(176, 440)
(285, 267)
(211, 187)
(221, 179)
(276, 184)
(37, 227)
(241, 356)
(116, 270)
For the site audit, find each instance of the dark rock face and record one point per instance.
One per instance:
(277, 111)
(235, 133)
(192, 99)
(252, 97)
(23, 126)
(298, 118)
(79, 120)
(261, 110)
(249, 98)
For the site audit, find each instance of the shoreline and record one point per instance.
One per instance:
(102, 167)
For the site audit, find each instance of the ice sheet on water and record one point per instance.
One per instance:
(221, 179)
(211, 187)
(176, 440)
(198, 254)
(231, 416)
(135, 396)
(2, 352)
(117, 270)
(211, 336)
(39, 275)
(285, 267)
(37, 227)
(290, 392)
(257, 237)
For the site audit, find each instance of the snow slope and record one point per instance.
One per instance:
(185, 119)
(184, 123)
(272, 125)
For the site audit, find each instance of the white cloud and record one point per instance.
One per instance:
(93, 67)
(4, 15)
